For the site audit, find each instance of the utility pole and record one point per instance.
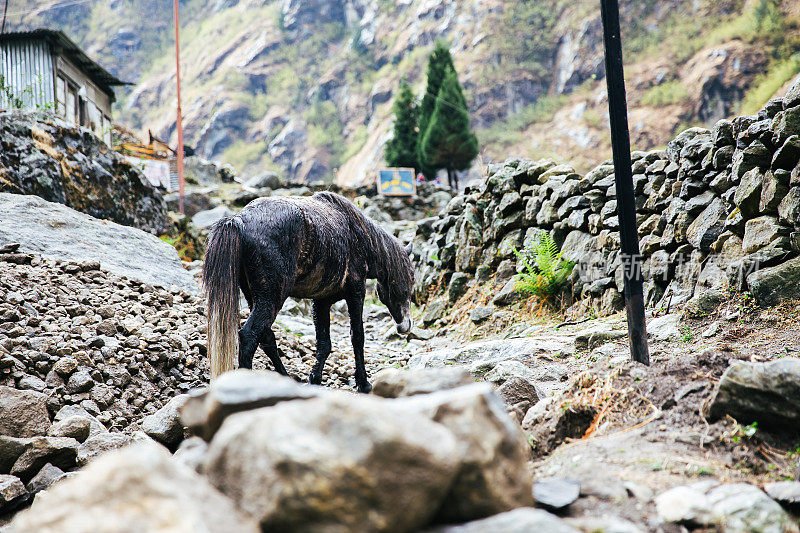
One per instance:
(626, 201)
(5, 11)
(179, 113)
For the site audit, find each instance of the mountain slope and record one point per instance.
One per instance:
(304, 87)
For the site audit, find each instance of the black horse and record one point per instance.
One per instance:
(319, 247)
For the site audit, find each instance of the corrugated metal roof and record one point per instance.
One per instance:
(68, 48)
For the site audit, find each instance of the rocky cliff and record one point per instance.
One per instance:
(46, 157)
(717, 211)
(305, 87)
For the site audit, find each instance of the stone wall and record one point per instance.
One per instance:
(44, 156)
(716, 210)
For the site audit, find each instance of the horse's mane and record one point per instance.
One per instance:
(389, 261)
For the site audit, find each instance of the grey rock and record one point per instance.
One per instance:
(38, 451)
(395, 383)
(69, 411)
(787, 493)
(505, 370)
(773, 284)
(239, 390)
(206, 219)
(507, 294)
(56, 231)
(29, 382)
(492, 475)
(683, 505)
(76, 427)
(48, 475)
(99, 444)
(192, 453)
(480, 314)
(12, 493)
(165, 425)
(23, 413)
(760, 232)
(522, 520)
(518, 390)
(268, 180)
(457, 286)
(80, 381)
(759, 392)
(743, 507)
(748, 194)
(394, 467)
(434, 311)
(789, 207)
(556, 493)
(138, 485)
(708, 226)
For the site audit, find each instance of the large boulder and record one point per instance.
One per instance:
(239, 390)
(766, 393)
(56, 231)
(493, 475)
(46, 157)
(23, 413)
(139, 488)
(342, 463)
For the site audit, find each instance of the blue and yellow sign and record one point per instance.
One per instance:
(396, 182)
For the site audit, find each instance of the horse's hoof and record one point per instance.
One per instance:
(365, 388)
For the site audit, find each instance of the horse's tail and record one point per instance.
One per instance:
(221, 280)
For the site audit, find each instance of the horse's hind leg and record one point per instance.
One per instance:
(270, 347)
(355, 307)
(262, 315)
(322, 327)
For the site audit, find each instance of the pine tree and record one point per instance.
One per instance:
(401, 150)
(448, 142)
(440, 63)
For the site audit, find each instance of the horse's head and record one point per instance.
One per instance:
(395, 291)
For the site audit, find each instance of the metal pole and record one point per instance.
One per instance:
(179, 117)
(5, 10)
(626, 202)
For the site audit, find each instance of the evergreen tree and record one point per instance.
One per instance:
(401, 150)
(440, 63)
(448, 142)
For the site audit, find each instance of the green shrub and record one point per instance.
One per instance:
(668, 93)
(545, 271)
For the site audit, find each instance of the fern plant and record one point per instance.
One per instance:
(544, 270)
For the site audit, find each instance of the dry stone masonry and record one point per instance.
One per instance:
(717, 210)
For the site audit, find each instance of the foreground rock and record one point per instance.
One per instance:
(766, 393)
(493, 475)
(239, 390)
(56, 231)
(139, 488)
(340, 463)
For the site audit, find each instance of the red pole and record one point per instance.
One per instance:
(179, 118)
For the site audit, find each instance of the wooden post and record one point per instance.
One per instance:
(179, 113)
(626, 201)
